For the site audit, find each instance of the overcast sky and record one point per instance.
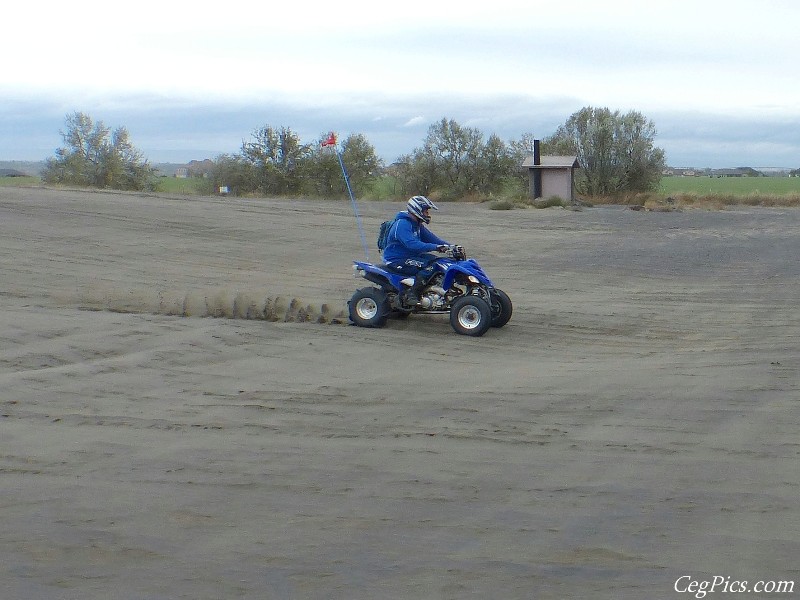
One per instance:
(192, 80)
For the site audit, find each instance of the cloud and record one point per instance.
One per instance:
(414, 122)
(174, 129)
(207, 79)
(709, 139)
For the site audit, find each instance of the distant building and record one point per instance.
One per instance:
(729, 173)
(557, 176)
(200, 168)
(551, 176)
(693, 172)
(680, 172)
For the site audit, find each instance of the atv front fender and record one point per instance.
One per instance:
(468, 268)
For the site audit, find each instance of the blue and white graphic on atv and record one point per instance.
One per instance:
(449, 266)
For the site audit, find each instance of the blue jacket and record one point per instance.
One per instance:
(409, 239)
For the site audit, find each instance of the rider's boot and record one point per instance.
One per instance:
(413, 293)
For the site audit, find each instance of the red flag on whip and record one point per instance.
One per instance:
(330, 140)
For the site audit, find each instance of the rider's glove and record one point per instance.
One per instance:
(442, 248)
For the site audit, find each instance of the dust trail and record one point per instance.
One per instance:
(220, 303)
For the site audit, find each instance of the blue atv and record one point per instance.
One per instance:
(457, 285)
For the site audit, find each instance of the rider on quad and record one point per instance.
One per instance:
(451, 284)
(410, 243)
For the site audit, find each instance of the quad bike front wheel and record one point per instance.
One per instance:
(501, 307)
(369, 307)
(471, 315)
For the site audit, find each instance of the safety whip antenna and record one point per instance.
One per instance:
(331, 141)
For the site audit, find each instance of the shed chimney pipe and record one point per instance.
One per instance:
(537, 173)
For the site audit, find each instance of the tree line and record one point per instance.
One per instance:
(615, 151)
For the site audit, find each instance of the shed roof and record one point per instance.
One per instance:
(562, 162)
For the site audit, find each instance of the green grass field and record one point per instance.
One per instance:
(168, 185)
(730, 186)
(19, 181)
(174, 185)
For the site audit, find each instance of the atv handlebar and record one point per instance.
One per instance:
(455, 251)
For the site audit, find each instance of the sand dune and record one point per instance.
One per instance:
(185, 412)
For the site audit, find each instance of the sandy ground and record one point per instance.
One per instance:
(635, 422)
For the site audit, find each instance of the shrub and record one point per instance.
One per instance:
(501, 205)
(548, 202)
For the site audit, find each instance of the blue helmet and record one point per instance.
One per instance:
(418, 205)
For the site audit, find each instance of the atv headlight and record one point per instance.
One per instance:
(473, 279)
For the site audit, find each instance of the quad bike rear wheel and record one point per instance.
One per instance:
(369, 307)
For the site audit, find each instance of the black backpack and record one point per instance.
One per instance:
(383, 234)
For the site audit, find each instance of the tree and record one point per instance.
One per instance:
(455, 151)
(416, 173)
(322, 172)
(233, 172)
(274, 155)
(520, 150)
(455, 161)
(360, 161)
(496, 163)
(93, 159)
(322, 175)
(615, 151)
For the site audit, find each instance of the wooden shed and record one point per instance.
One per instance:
(551, 175)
